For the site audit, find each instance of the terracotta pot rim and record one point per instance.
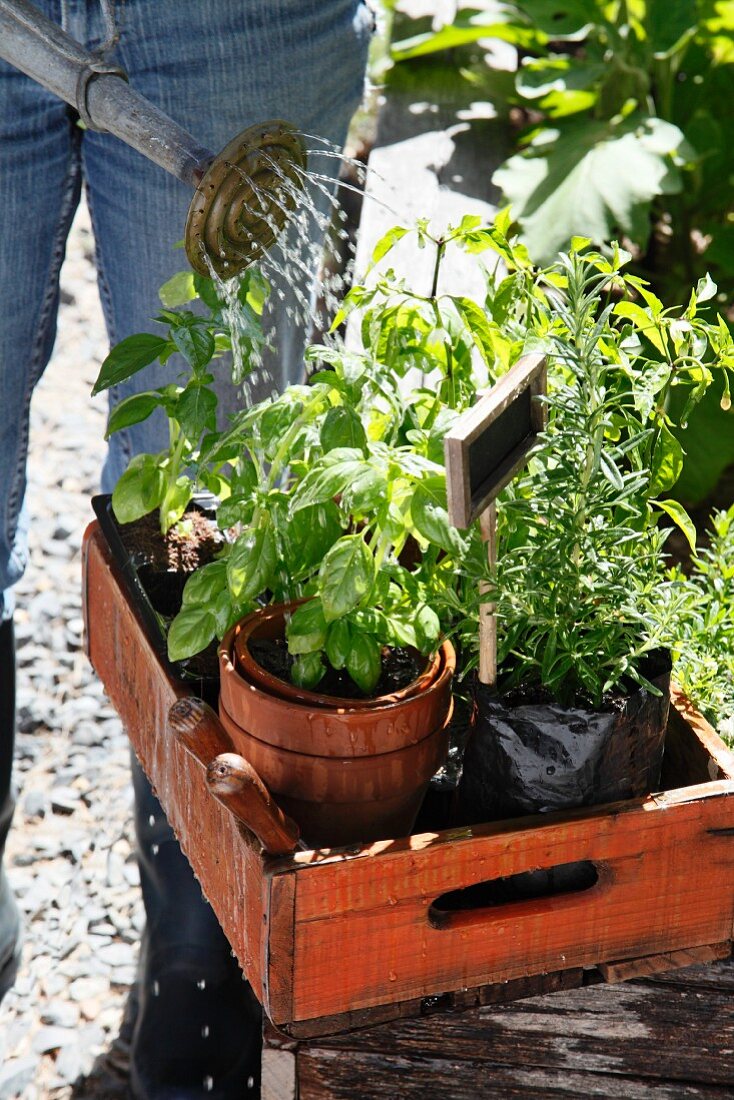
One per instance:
(442, 661)
(365, 762)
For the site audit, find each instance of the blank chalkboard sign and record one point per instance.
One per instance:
(488, 443)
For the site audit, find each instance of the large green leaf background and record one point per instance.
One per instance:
(595, 179)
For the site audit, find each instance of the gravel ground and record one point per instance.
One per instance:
(70, 856)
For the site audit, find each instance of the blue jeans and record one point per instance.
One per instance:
(215, 67)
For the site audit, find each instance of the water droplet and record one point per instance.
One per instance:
(392, 976)
(156, 988)
(250, 1082)
(205, 1031)
(208, 1084)
(151, 819)
(392, 900)
(201, 984)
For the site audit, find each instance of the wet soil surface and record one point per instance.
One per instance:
(399, 668)
(182, 550)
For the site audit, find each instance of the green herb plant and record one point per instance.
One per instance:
(696, 612)
(581, 545)
(166, 481)
(322, 513)
(334, 484)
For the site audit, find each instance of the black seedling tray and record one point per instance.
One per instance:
(193, 670)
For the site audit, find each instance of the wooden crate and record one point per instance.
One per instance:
(337, 939)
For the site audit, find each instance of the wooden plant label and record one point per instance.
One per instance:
(487, 445)
(483, 451)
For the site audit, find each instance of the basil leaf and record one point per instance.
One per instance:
(252, 562)
(346, 576)
(427, 629)
(343, 428)
(338, 643)
(175, 502)
(195, 410)
(309, 534)
(306, 631)
(307, 670)
(364, 662)
(367, 490)
(190, 632)
(133, 410)
(139, 490)
(127, 358)
(330, 477)
(195, 343)
(205, 585)
(429, 512)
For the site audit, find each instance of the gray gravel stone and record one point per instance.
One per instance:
(36, 803)
(61, 1015)
(16, 1075)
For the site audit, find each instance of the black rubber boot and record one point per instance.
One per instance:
(198, 1026)
(9, 916)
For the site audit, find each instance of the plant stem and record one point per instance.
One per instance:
(440, 250)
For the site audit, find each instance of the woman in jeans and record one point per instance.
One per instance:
(216, 68)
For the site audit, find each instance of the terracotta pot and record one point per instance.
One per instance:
(346, 773)
(269, 623)
(341, 800)
(322, 724)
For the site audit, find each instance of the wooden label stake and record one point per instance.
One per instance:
(484, 450)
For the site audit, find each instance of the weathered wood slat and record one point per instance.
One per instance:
(656, 964)
(719, 977)
(634, 1040)
(321, 1076)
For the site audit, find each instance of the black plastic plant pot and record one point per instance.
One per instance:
(157, 597)
(526, 757)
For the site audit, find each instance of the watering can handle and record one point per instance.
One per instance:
(230, 779)
(42, 50)
(229, 225)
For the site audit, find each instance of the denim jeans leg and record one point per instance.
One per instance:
(40, 183)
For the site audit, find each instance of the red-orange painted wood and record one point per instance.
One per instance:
(228, 866)
(666, 882)
(326, 934)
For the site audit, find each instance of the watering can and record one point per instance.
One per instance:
(242, 196)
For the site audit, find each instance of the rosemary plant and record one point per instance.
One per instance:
(581, 558)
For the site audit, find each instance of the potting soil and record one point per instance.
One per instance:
(399, 668)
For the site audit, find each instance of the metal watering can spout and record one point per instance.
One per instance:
(242, 197)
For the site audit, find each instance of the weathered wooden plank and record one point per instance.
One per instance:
(625, 1040)
(278, 945)
(228, 866)
(720, 977)
(698, 758)
(656, 964)
(665, 883)
(324, 1076)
